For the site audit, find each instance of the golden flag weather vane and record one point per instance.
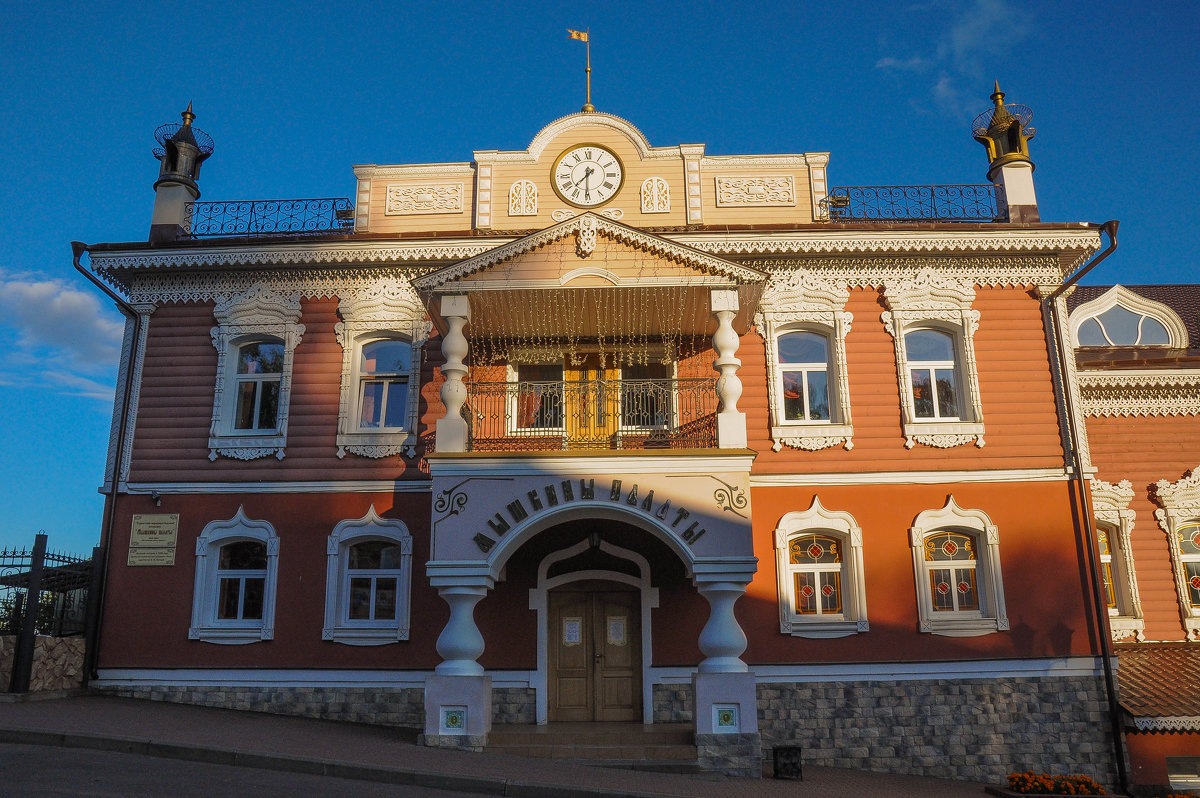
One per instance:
(582, 36)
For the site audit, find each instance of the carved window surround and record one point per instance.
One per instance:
(1179, 504)
(206, 593)
(1110, 506)
(929, 300)
(992, 615)
(841, 525)
(254, 314)
(796, 301)
(385, 309)
(338, 626)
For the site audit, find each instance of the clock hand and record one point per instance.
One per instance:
(587, 173)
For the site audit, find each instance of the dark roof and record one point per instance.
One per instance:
(1182, 298)
(1159, 680)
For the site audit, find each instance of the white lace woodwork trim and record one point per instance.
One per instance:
(1123, 394)
(1179, 504)
(563, 214)
(1110, 506)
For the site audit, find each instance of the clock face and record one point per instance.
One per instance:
(587, 175)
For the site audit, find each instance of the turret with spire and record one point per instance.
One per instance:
(182, 148)
(1004, 131)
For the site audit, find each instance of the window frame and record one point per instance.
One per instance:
(513, 397)
(1179, 506)
(989, 585)
(796, 301)
(841, 526)
(206, 625)
(339, 627)
(389, 310)
(1110, 509)
(257, 315)
(672, 398)
(933, 301)
(1134, 303)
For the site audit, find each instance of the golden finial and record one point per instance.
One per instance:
(188, 116)
(585, 37)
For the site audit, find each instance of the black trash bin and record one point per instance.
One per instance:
(787, 763)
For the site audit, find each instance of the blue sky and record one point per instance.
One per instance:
(295, 93)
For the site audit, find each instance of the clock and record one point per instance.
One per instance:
(587, 175)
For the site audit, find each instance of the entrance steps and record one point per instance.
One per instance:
(663, 747)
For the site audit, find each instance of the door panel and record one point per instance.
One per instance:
(595, 659)
(591, 400)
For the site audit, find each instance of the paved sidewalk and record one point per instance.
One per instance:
(348, 750)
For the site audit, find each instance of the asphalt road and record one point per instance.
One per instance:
(33, 770)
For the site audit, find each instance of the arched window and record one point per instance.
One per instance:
(819, 565)
(233, 600)
(368, 581)
(956, 556)
(1188, 540)
(1119, 326)
(933, 371)
(803, 376)
(256, 385)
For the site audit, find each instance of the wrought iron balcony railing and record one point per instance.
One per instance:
(915, 204)
(593, 414)
(269, 217)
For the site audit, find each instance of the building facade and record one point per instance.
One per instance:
(603, 431)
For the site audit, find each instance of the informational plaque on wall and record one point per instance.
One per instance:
(152, 539)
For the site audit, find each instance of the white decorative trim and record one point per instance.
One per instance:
(656, 195)
(338, 626)
(567, 123)
(539, 602)
(562, 214)
(483, 195)
(390, 679)
(947, 477)
(144, 310)
(523, 198)
(362, 206)
(123, 376)
(344, 486)
(205, 623)
(413, 170)
(257, 313)
(755, 191)
(1179, 504)
(991, 616)
(933, 300)
(412, 199)
(793, 301)
(853, 618)
(586, 226)
(1174, 724)
(1110, 507)
(1140, 393)
(387, 309)
(1134, 303)
(887, 672)
(691, 171)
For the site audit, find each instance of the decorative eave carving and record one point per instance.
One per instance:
(1109, 501)
(257, 306)
(800, 291)
(929, 290)
(586, 226)
(1139, 393)
(1182, 494)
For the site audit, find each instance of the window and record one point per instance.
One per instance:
(933, 326)
(934, 374)
(956, 556)
(368, 581)
(1122, 318)
(233, 600)
(539, 397)
(257, 331)
(646, 397)
(819, 567)
(1113, 524)
(381, 334)
(804, 326)
(1179, 517)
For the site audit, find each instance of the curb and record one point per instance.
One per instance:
(216, 755)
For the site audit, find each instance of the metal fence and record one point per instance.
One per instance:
(592, 414)
(915, 204)
(269, 217)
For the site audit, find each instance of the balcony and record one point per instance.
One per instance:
(591, 415)
(249, 218)
(915, 204)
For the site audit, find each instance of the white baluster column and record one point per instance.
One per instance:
(731, 423)
(722, 640)
(452, 430)
(460, 642)
(458, 696)
(726, 708)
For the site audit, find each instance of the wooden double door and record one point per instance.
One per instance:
(595, 653)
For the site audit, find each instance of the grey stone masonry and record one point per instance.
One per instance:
(731, 754)
(973, 729)
(514, 705)
(672, 703)
(463, 742)
(378, 705)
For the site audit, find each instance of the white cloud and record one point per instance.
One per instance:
(63, 337)
(912, 64)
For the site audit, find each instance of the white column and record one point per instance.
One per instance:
(1016, 180)
(460, 642)
(452, 431)
(731, 423)
(722, 640)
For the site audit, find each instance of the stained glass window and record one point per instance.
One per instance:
(1106, 569)
(950, 563)
(1189, 549)
(815, 561)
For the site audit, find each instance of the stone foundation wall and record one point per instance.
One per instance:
(57, 663)
(673, 703)
(732, 754)
(379, 705)
(514, 705)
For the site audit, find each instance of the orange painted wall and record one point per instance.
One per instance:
(1145, 449)
(1148, 754)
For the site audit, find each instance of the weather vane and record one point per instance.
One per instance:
(582, 35)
